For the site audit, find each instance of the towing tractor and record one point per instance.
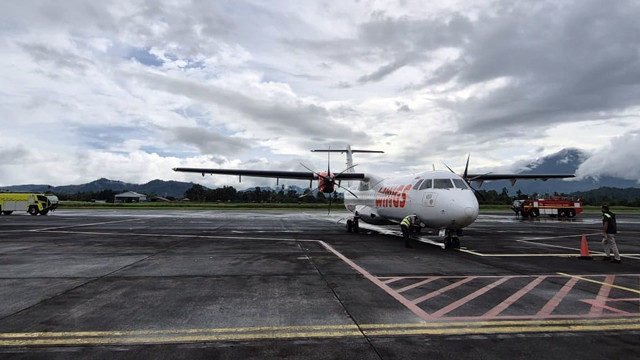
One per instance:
(554, 207)
(34, 204)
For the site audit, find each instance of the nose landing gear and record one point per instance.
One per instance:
(353, 224)
(451, 239)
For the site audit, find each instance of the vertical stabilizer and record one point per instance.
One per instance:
(349, 159)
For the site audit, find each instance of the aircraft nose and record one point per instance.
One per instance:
(464, 212)
(465, 216)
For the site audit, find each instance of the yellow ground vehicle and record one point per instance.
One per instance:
(32, 203)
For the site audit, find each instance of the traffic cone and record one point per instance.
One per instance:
(584, 249)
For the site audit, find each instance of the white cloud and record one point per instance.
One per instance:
(128, 90)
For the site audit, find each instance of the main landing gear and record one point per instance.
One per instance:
(353, 225)
(451, 239)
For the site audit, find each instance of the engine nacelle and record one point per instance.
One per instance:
(370, 215)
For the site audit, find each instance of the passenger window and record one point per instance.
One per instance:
(442, 184)
(460, 184)
(417, 185)
(427, 184)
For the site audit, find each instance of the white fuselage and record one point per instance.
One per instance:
(440, 200)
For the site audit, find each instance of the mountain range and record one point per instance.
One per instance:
(565, 161)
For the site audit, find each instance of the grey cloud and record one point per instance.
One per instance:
(403, 108)
(404, 35)
(397, 42)
(617, 159)
(565, 62)
(13, 155)
(301, 119)
(60, 59)
(206, 141)
(384, 70)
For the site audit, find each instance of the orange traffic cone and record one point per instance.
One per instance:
(584, 249)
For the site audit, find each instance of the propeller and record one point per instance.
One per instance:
(466, 178)
(327, 181)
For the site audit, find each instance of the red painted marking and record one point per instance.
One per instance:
(513, 298)
(419, 283)
(555, 301)
(443, 290)
(602, 306)
(389, 281)
(415, 309)
(598, 304)
(456, 304)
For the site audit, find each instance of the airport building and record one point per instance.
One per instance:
(130, 196)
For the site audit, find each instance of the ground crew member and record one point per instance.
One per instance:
(405, 226)
(609, 229)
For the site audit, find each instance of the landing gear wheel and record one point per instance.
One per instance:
(352, 225)
(455, 242)
(448, 242)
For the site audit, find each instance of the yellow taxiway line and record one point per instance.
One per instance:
(601, 283)
(92, 338)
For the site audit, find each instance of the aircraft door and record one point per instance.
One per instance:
(429, 199)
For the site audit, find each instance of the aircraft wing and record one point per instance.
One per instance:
(544, 177)
(298, 175)
(480, 178)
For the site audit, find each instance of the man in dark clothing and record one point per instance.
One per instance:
(609, 229)
(405, 226)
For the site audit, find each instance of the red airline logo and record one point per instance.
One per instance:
(392, 196)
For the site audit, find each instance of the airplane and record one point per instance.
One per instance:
(440, 200)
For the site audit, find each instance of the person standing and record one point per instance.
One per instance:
(405, 226)
(609, 229)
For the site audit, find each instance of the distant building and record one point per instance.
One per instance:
(130, 196)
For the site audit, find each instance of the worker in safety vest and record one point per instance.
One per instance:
(609, 229)
(405, 226)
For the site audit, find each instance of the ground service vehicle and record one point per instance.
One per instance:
(32, 203)
(554, 206)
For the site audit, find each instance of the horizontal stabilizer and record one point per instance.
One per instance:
(345, 150)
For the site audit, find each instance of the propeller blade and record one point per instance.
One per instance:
(310, 193)
(345, 170)
(477, 193)
(305, 166)
(466, 168)
(448, 167)
(479, 176)
(345, 189)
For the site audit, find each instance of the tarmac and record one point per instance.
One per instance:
(135, 284)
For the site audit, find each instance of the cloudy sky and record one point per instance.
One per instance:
(127, 90)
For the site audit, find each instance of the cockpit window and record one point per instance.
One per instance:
(417, 185)
(442, 184)
(460, 184)
(427, 184)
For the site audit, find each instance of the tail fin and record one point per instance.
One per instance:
(350, 153)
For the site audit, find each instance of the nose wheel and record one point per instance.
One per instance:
(451, 240)
(353, 225)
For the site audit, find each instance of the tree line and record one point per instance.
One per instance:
(261, 195)
(198, 193)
